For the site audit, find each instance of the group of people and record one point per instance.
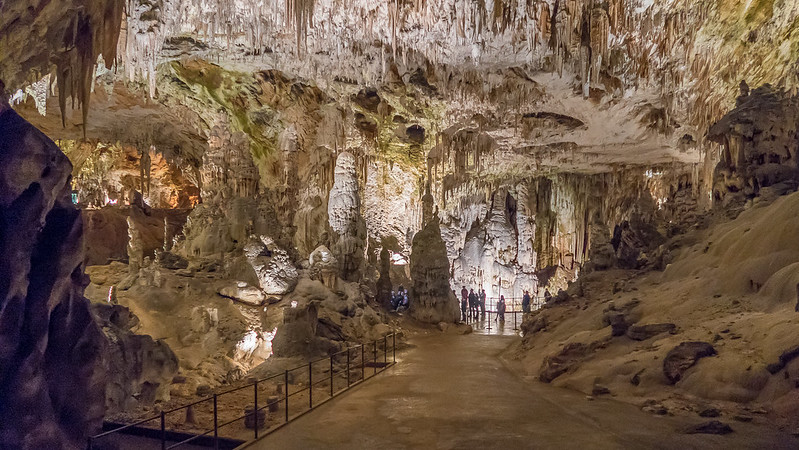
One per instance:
(399, 299)
(476, 302)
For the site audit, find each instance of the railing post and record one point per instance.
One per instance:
(216, 425)
(374, 358)
(286, 389)
(331, 376)
(514, 320)
(310, 385)
(394, 345)
(255, 409)
(363, 362)
(348, 367)
(163, 430)
(385, 350)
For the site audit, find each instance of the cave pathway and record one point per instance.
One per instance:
(453, 392)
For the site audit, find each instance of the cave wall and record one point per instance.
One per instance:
(51, 349)
(760, 141)
(522, 232)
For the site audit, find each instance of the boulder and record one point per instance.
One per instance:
(712, 427)
(786, 357)
(244, 293)
(569, 357)
(709, 412)
(644, 332)
(684, 356)
(620, 318)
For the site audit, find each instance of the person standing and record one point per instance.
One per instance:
(472, 304)
(482, 302)
(501, 309)
(463, 305)
(526, 302)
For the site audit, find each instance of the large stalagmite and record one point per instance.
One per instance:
(346, 222)
(51, 374)
(432, 299)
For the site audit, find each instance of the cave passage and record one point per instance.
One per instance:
(458, 392)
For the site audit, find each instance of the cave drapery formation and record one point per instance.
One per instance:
(288, 155)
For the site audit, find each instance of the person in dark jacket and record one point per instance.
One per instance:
(482, 302)
(526, 302)
(472, 303)
(464, 299)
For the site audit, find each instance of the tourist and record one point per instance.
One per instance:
(472, 304)
(405, 302)
(464, 299)
(501, 309)
(547, 296)
(526, 302)
(482, 302)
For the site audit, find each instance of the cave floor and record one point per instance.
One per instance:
(454, 392)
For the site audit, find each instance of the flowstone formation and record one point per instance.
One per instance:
(433, 299)
(51, 349)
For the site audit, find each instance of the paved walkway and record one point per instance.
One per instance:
(452, 392)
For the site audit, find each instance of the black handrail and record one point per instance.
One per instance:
(286, 394)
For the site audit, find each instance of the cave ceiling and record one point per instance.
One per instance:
(536, 85)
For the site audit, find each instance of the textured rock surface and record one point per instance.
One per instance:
(759, 149)
(51, 373)
(140, 369)
(644, 332)
(683, 357)
(431, 298)
(344, 215)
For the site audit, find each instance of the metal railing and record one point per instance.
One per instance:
(347, 366)
(493, 316)
(515, 303)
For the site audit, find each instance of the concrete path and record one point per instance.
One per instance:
(452, 392)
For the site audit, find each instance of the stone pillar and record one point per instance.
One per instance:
(431, 298)
(384, 285)
(346, 222)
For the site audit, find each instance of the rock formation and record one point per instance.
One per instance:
(759, 152)
(344, 214)
(432, 300)
(51, 350)
(140, 369)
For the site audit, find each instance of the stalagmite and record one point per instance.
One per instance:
(432, 299)
(346, 222)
